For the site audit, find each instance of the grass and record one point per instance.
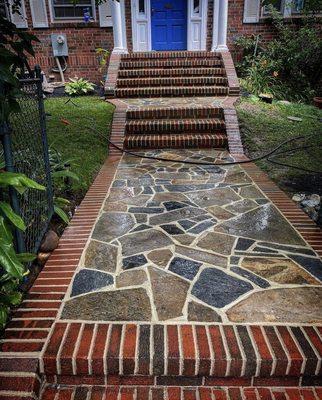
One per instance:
(68, 133)
(265, 126)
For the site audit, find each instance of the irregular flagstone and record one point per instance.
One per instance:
(250, 276)
(87, 280)
(111, 225)
(169, 293)
(289, 249)
(218, 289)
(202, 256)
(278, 270)
(201, 227)
(217, 243)
(124, 194)
(143, 241)
(251, 192)
(131, 278)
(184, 239)
(200, 313)
(186, 268)
(169, 197)
(172, 229)
(101, 256)
(189, 187)
(160, 257)
(115, 206)
(115, 305)
(219, 197)
(173, 205)
(242, 206)
(244, 244)
(134, 261)
(264, 223)
(297, 305)
(236, 177)
(313, 265)
(219, 212)
(171, 216)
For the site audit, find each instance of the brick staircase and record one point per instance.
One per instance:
(174, 127)
(171, 74)
(136, 77)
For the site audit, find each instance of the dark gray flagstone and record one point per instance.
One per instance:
(88, 280)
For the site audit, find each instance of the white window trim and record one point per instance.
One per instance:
(69, 20)
(286, 10)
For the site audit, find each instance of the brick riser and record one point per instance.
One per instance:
(140, 73)
(173, 81)
(184, 141)
(172, 91)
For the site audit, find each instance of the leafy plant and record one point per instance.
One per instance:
(12, 269)
(78, 86)
(289, 66)
(61, 174)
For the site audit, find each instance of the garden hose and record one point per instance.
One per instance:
(266, 155)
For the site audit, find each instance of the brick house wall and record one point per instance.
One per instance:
(82, 40)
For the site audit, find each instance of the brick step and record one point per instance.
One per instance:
(203, 71)
(175, 141)
(174, 126)
(170, 54)
(196, 352)
(173, 81)
(171, 63)
(173, 91)
(176, 392)
(174, 112)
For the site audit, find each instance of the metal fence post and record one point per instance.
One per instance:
(9, 165)
(42, 116)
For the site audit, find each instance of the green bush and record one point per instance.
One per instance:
(289, 66)
(78, 86)
(12, 268)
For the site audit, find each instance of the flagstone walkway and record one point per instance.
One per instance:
(176, 242)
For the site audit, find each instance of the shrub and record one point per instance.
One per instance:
(289, 66)
(78, 86)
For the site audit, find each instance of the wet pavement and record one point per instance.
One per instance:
(177, 242)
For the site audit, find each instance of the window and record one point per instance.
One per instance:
(66, 10)
(141, 6)
(196, 6)
(4, 12)
(286, 7)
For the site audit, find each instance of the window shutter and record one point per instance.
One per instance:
(251, 11)
(20, 20)
(39, 13)
(105, 14)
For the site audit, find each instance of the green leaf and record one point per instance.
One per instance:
(65, 174)
(14, 218)
(26, 257)
(5, 233)
(3, 315)
(60, 201)
(19, 181)
(61, 213)
(10, 262)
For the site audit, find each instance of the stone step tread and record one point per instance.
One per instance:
(147, 72)
(170, 54)
(177, 392)
(172, 81)
(172, 91)
(174, 112)
(166, 63)
(178, 140)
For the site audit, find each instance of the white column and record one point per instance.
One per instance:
(219, 34)
(119, 30)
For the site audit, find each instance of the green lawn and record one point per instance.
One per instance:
(74, 140)
(264, 126)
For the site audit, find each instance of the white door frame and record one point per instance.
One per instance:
(196, 26)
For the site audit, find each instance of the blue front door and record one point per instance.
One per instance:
(169, 24)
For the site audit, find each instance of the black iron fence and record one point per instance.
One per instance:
(25, 150)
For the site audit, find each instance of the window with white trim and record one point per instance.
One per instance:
(196, 7)
(66, 10)
(286, 7)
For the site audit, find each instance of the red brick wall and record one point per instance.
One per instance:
(82, 40)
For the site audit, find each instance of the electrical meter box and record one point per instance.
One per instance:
(59, 43)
